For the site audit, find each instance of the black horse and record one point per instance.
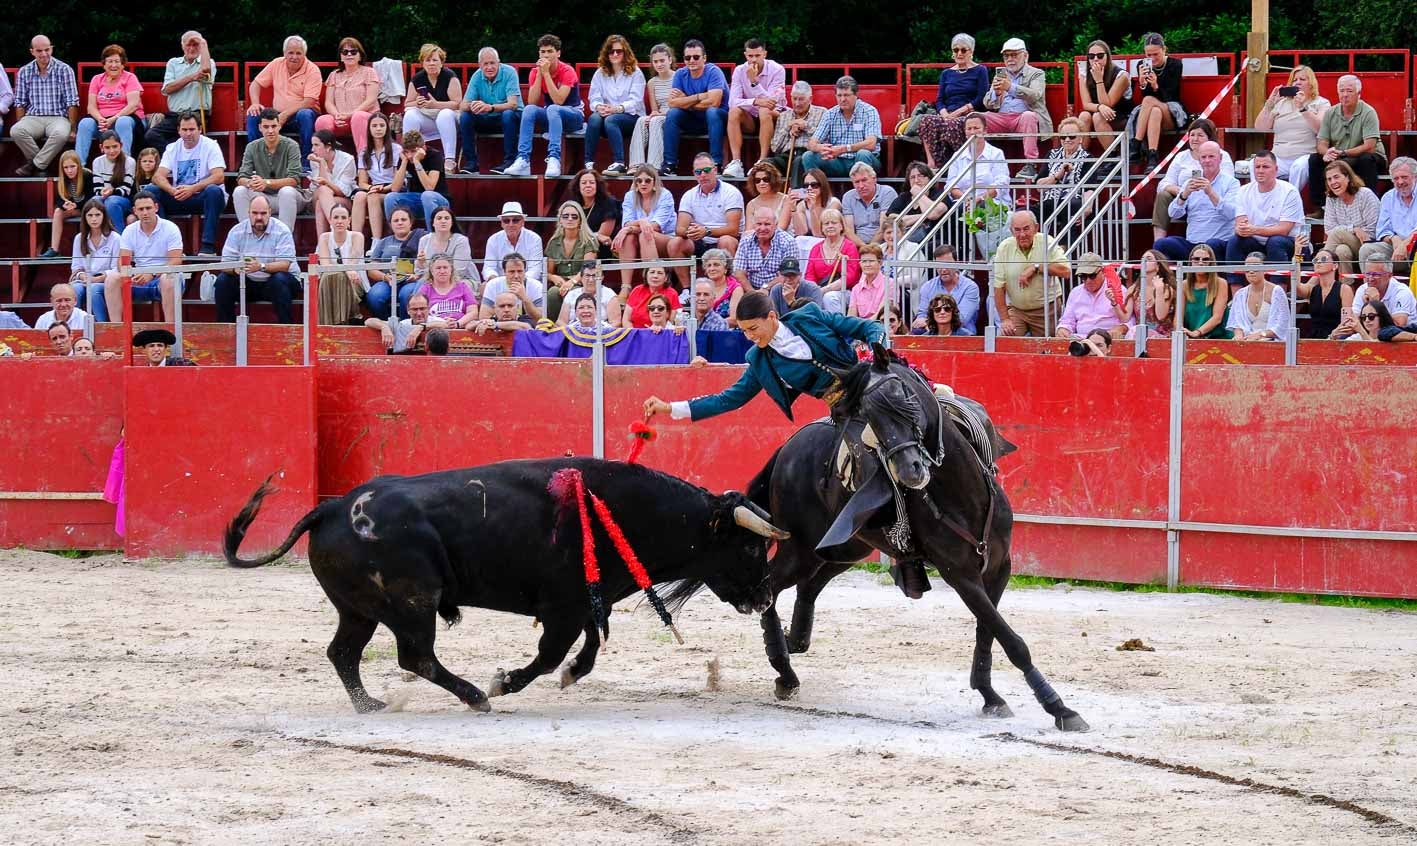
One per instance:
(933, 498)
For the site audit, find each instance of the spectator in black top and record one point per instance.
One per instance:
(912, 204)
(1160, 108)
(602, 211)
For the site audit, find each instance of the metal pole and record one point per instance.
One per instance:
(597, 378)
(991, 335)
(1173, 462)
(242, 321)
(305, 296)
(1291, 340)
(178, 283)
(691, 327)
(1047, 292)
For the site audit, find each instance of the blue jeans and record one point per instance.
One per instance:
(304, 121)
(98, 306)
(379, 294)
(209, 203)
(430, 201)
(1179, 249)
(840, 166)
(1277, 249)
(507, 122)
(615, 127)
(712, 121)
(118, 209)
(555, 120)
(88, 129)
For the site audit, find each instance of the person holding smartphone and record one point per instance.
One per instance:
(1160, 109)
(431, 104)
(1294, 112)
(1015, 103)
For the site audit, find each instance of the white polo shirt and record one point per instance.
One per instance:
(711, 210)
(151, 250)
(1398, 299)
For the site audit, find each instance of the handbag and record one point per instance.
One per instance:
(910, 127)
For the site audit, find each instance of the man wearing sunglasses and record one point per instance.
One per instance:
(698, 102)
(710, 215)
(1378, 287)
(1089, 308)
(794, 354)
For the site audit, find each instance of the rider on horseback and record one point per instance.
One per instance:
(801, 352)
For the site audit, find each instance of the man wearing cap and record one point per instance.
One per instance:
(1089, 305)
(789, 287)
(797, 353)
(156, 345)
(758, 258)
(514, 238)
(1015, 103)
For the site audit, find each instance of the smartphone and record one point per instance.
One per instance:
(1195, 173)
(1000, 71)
(424, 91)
(1288, 90)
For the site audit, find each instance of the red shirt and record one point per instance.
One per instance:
(638, 303)
(563, 75)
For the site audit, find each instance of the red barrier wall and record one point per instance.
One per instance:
(1324, 447)
(61, 422)
(200, 440)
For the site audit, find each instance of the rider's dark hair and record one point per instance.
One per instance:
(754, 305)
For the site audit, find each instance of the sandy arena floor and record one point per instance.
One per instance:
(157, 703)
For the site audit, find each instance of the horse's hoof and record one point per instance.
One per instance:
(482, 706)
(498, 687)
(568, 678)
(1071, 722)
(784, 691)
(998, 712)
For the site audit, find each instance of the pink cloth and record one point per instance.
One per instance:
(113, 488)
(112, 98)
(450, 306)
(867, 297)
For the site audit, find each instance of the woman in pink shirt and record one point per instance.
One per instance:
(351, 95)
(874, 289)
(115, 103)
(832, 256)
(449, 300)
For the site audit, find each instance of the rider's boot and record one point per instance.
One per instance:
(910, 577)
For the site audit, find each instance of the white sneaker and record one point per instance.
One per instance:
(734, 170)
(590, 165)
(520, 167)
(553, 168)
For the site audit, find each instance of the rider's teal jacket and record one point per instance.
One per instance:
(785, 379)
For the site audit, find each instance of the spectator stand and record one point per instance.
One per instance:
(879, 83)
(1386, 76)
(226, 120)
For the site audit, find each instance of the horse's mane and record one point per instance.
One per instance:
(853, 387)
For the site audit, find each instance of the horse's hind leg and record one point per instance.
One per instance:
(971, 589)
(804, 609)
(980, 674)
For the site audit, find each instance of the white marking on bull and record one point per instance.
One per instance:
(483, 488)
(361, 522)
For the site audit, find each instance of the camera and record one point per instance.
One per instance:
(1097, 343)
(1288, 90)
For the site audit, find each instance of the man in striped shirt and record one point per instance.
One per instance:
(46, 108)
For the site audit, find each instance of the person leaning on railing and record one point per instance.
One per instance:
(1018, 275)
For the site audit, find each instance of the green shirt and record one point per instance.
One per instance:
(195, 95)
(284, 163)
(1347, 133)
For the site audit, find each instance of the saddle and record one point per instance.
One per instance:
(858, 468)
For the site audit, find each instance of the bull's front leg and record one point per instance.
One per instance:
(557, 636)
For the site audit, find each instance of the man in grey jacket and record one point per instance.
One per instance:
(1015, 103)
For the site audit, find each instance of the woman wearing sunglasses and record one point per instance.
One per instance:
(1104, 93)
(808, 202)
(1329, 299)
(351, 95)
(1375, 323)
(942, 316)
(1204, 296)
(570, 246)
(648, 218)
(765, 182)
(961, 93)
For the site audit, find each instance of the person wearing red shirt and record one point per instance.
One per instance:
(553, 103)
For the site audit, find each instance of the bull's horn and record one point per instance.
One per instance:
(749, 519)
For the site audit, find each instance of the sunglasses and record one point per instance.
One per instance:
(700, 171)
(1087, 275)
(811, 186)
(1375, 274)
(644, 180)
(511, 220)
(1097, 55)
(348, 51)
(944, 308)
(658, 308)
(689, 58)
(1370, 316)
(616, 51)
(763, 180)
(959, 49)
(570, 216)
(1068, 137)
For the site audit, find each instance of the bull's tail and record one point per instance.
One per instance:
(236, 529)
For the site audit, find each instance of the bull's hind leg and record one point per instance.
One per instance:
(804, 609)
(981, 673)
(557, 636)
(584, 661)
(345, 651)
(414, 633)
(971, 589)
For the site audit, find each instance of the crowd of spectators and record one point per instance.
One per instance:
(125, 177)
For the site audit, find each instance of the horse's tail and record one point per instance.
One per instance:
(236, 529)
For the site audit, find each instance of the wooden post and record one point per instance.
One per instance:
(1257, 46)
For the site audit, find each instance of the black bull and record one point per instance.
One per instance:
(945, 507)
(404, 550)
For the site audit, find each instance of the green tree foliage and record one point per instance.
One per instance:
(845, 30)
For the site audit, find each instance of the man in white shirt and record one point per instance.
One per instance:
(1267, 212)
(267, 248)
(151, 242)
(514, 238)
(1378, 285)
(710, 215)
(191, 179)
(62, 298)
(990, 176)
(529, 291)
